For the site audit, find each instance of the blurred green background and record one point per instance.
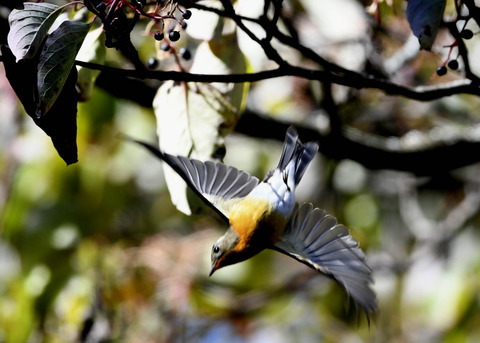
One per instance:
(100, 242)
(96, 252)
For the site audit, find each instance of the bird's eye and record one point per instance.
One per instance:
(216, 249)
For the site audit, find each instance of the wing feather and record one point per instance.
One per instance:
(215, 183)
(227, 182)
(314, 238)
(210, 183)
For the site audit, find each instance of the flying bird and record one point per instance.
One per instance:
(264, 215)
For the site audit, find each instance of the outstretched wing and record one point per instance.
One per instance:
(215, 183)
(314, 238)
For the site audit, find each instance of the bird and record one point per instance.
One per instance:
(265, 215)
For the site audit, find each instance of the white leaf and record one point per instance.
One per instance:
(192, 120)
(202, 24)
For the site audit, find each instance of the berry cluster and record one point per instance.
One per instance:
(172, 36)
(167, 20)
(453, 63)
(464, 34)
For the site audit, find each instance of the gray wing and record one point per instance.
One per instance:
(215, 183)
(314, 238)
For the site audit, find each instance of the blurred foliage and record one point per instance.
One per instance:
(96, 252)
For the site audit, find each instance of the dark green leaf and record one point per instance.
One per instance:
(60, 122)
(56, 60)
(29, 27)
(424, 17)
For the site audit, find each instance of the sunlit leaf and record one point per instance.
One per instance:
(29, 27)
(424, 17)
(191, 121)
(202, 24)
(56, 61)
(224, 57)
(92, 50)
(221, 54)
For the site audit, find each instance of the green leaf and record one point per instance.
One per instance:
(29, 27)
(424, 17)
(93, 50)
(61, 121)
(56, 60)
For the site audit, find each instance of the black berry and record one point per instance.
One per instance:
(453, 64)
(187, 14)
(467, 34)
(152, 63)
(185, 53)
(442, 70)
(174, 36)
(184, 24)
(165, 47)
(158, 35)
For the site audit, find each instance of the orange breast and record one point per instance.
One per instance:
(254, 218)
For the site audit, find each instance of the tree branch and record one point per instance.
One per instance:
(430, 161)
(354, 80)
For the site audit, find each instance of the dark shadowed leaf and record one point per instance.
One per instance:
(29, 27)
(424, 17)
(56, 60)
(60, 123)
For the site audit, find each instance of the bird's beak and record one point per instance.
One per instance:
(214, 268)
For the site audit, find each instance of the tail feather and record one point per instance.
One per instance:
(294, 149)
(290, 147)
(306, 156)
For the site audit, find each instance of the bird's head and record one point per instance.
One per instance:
(223, 251)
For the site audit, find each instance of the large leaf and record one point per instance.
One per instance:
(191, 121)
(224, 57)
(92, 50)
(424, 17)
(29, 27)
(60, 122)
(56, 60)
(202, 24)
(193, 118)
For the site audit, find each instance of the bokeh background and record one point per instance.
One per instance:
(96, 252)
